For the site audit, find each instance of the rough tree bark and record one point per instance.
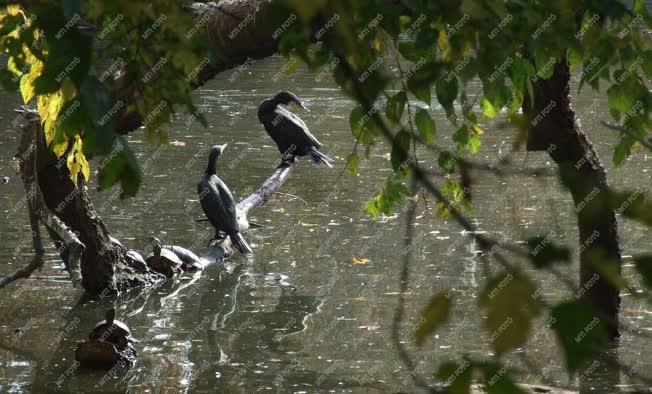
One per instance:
(554, 128)
(104, 267)
(236, 32)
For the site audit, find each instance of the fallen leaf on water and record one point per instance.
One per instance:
(359, 261)
(309, 224)
(178, 143)
(280, 210)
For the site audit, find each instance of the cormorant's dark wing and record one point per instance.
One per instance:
(228, 204)
(217, 203)
(294, 128)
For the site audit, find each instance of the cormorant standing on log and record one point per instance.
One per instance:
(288, 131)
(218, 205)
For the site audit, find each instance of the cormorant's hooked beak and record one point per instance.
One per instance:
(300, 104)
(223, 147)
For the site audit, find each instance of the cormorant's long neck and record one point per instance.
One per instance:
(210, 170)
(274, 102)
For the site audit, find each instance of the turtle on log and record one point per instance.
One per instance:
(164, 260)
(113, 331)
(110, 343)
(190, 261)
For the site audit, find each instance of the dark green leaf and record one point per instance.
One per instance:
(400, 148)
(543, 252)
(497, 380)
(581, 332)
(120, 165)
(433, 316)
(620, 99)
(457, 376)
(396, 106)
(425, 125)
(446, 161)
(362, 126)
(420, 90)
(461, 137)
(446, 89)
(46, 83)
(70, 121)
(622, 151)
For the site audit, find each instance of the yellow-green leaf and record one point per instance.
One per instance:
(13, 9)
(77, 162)
(27, 81)
(510, 301)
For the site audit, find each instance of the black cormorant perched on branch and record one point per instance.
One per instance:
(218, 205)
(288, 131)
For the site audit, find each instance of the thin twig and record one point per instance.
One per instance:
(403, 288)
(294, 196)
(626, 131)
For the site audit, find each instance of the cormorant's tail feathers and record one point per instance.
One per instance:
(240, 244)
(320, 158)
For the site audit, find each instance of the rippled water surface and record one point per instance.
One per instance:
(312, 310)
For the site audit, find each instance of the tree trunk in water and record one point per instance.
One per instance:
(104, 267)
(554, 128)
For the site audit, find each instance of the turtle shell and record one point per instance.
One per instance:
(136, 260)
(117, 334)
(169, 263)
(135, 256)
(190, 261)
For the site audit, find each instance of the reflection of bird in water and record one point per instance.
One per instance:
(218, 205)
(288, 131)
(296, 309)
(268, 330)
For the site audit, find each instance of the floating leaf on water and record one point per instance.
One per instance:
(359, 261)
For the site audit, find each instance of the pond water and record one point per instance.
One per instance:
(312, 309)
